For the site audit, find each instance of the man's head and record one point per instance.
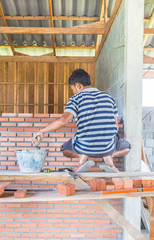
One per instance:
(79, 80)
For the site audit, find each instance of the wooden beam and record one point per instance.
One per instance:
(120, 220)
(55, 18)
(37, 196)
(151, 234)
(100, 19)
(149, 31)
(52, 25)
(148, 48)
(45, 59)
(150, 25)
(5, 24)
(109, 25)
(44, 30)
(49, 47)
(61, 176)
(148, 60)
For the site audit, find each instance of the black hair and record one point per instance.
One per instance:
(80, 76)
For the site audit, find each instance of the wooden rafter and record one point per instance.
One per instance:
(44, 30)
(148, 60)
(49, 47)
(108, 26)
(148, 48)
(100, 19)
(56, 18)
(123, 222)
(150, 24)
(45, 59)
(5, 24)
(52, 25)
(149, 31)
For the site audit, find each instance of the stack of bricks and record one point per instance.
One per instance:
(122, 183)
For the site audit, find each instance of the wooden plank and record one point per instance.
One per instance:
(56, 73)
(100, 19)
(151, 234)
(148, 48)
(5, 24)
(36, 90)
(109, 25)
(52, 25)
(26, 90)
(15, 88)
(45, 30)
(45, 59)
(148, 60)
(118, 218)
(55, 18)
(60, 176)
(46, 87)
(149, 31)
(36, 196)
(150, 25)
(5, 86)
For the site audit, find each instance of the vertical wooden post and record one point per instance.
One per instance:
(46, 86)
(66, 85)
(151, 234)
(35, 89)
(56, 73)
(15, 87)
(5, 87)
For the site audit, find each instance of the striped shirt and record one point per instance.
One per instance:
(95, 113)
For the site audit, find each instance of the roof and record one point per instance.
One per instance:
(43, 43)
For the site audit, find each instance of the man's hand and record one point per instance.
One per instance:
(37, 138)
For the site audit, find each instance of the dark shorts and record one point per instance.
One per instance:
(120, 143)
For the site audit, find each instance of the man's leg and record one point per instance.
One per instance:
(121, 153)
(109, 161)
(82, 158)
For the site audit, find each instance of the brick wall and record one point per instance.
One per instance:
(48, 220)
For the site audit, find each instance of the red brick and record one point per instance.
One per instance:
(8, 124)
(98, 185)
(146, 181)
(137, 182)
(8, 134)
(16, 129)
(119, 183)
(3, 119)
(9, 114)
(41, 115)
(16, 139)
(128, 182)
(31, 129)
(64, 189)
(103, 184)
(110, 186)
(25, 124)
(32, 120)
(3, 139)
(1, 189)
(16, 119)
(72, 187)
(24, 134)
(25, 115)
(20, 193)
(93, 185)
(8, 144)
(3, 129)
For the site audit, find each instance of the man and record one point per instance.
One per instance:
(96, 116)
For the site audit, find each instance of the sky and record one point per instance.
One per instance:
(148, 93)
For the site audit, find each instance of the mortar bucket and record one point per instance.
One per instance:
(31, 160)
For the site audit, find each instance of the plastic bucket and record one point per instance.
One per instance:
(31, 160)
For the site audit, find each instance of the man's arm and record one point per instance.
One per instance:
(116, 120)
(55, 125)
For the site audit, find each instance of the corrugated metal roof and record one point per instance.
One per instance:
(88, 8)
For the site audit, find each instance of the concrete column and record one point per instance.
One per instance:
(133, 64)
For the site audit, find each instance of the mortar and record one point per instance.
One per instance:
(31, 160)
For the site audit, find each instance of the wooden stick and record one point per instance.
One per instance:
(123, 222)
